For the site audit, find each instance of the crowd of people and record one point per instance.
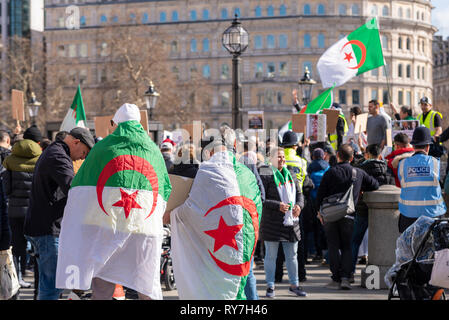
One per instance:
(294, 176)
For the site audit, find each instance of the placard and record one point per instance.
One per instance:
(388, 137)
(180, 191)
(404, 126)
(316, 127)
(331, 120)
(144, 119)
(299, 123)
(255, 120)
(17, 107)
(103, 126)
(195, 131)
(360, 123)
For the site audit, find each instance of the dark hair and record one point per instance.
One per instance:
(407, 110)
(45, 143)
(356, 110)
(375, 102)
(60, 136)
(401, 138)
(345, 152)
(4, 134)
(373, 149)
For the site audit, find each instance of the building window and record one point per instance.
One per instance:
(132, 18)
(104, 52)
(145, 18)
(306, 9)
(270, 42)
(72, 50)
(400, 43)
(342, 96)
(408, 71)
(342, 9)
(206, 45)
(408, 98)
(283, 10)
(271, 70)
(224, 13)
(374, 94)
(103, 19)
(101, 76)
(407, 43)
(283, 41)
(174, 46)
(258, 11)
(283, 70)
(206, 71)
(174, 16)
(321, 9)
(385, 97)
(270, 11)
(83, 76)
(374, 10)
(400, 12)
(61, 51)
(192, 15)
(224, 75)
(321, 41)
(237, 12)
(258, 42)
(384, 42)
(83, 50)
(83, 21)
(205, 14)
(279, 97)
(408, 13)
(308, 65)
(193, 45)
(385, 11)
(417, 72)
(269, 97)
(259, 70)
(225, 99)
(423, 75)
(400, 70)
(162, 17)
(400, 97)
(375, 72)
(355, 10)
(307, 41)
(355, 97)
(115, 19)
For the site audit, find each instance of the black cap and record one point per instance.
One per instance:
(33, 133)
(83, 135)
(289, 139)
(421, 137)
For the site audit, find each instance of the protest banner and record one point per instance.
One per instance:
(17, 107)
(255, 119)
(404, 126)
(360, 123)
(144, 119)
(299, 123)
(316, 127)
(331, 120)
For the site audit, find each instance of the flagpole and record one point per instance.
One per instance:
(388, 84)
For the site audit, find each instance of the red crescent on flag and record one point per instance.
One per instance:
(362, 48)
(239, 270)
(128, 162)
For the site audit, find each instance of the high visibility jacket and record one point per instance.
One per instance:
(295, 161)
(419, 176)
(333, 138)
(429, 121)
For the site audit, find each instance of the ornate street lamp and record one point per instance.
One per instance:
(305, 86)
(33, 108)
(235, 39)
(151, 97)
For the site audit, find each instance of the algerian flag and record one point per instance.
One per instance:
(76, 116)
(215, 231)
(112, 224)
(355, 54)
(323, 101)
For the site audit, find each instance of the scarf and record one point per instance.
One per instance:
(287, 192)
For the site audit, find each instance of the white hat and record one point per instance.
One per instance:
(167, 145)
(127, 112)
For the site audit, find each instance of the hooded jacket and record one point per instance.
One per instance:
(18, 176)
(394, 158)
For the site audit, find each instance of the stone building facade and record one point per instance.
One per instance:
(286, 36)
(441, 76)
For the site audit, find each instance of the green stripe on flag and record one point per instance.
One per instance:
(323, 101)
(78, 106)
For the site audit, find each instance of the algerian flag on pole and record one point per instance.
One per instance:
(76, 116)
(215, 231)
(355, 54)
(323, 101)
(112, 224)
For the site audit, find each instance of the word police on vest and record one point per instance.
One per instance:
(418, 171)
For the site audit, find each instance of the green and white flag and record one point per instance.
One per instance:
(215, 231)
(112, 225)
(323, 101)
(76, 116)
(355, 54)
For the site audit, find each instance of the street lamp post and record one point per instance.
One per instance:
(33, 108)
(235, 40)
(305, 86)
(151, 97)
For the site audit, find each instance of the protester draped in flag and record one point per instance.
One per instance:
(215, 231)
(353, 55)
(112, 227)
(76, 116)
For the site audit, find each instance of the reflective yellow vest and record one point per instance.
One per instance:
(333, 138)
(429, 122)
(293, 160)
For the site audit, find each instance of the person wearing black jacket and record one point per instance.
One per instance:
(185, 165)
(5, 230)
(52, 177)
(5, 145)
(339, 233)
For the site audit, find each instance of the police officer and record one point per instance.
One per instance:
(429, 118)
(419, 176)
(336, 139)
(297, 164)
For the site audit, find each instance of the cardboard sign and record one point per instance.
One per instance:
(404, 126)
(195, 131)
(17, 107)
(144, 119)
(180, 191)
(331, 120)
(103, 126)
(255, 119)
(299, 123)
(316, 127)
(360, 123)
(389, 139)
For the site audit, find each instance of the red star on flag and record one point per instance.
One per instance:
(128, 202)
(224, 235)
(348, 56)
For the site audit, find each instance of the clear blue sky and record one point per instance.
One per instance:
(440, 17)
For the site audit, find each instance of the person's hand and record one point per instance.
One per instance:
(18, 128)
(320, 217)
(393, 107)
(306, 142)
(295, 96)
(166, 217)
(284, 207)
(296, 211)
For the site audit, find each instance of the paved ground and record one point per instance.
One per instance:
(317, 277)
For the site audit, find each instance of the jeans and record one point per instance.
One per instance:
(360, 227)
(339, 236)
(47, 258)
(250, 287)
(290, 252)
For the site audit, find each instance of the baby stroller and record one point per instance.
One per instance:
(411, 280)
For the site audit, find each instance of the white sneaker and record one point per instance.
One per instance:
(24, 284)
